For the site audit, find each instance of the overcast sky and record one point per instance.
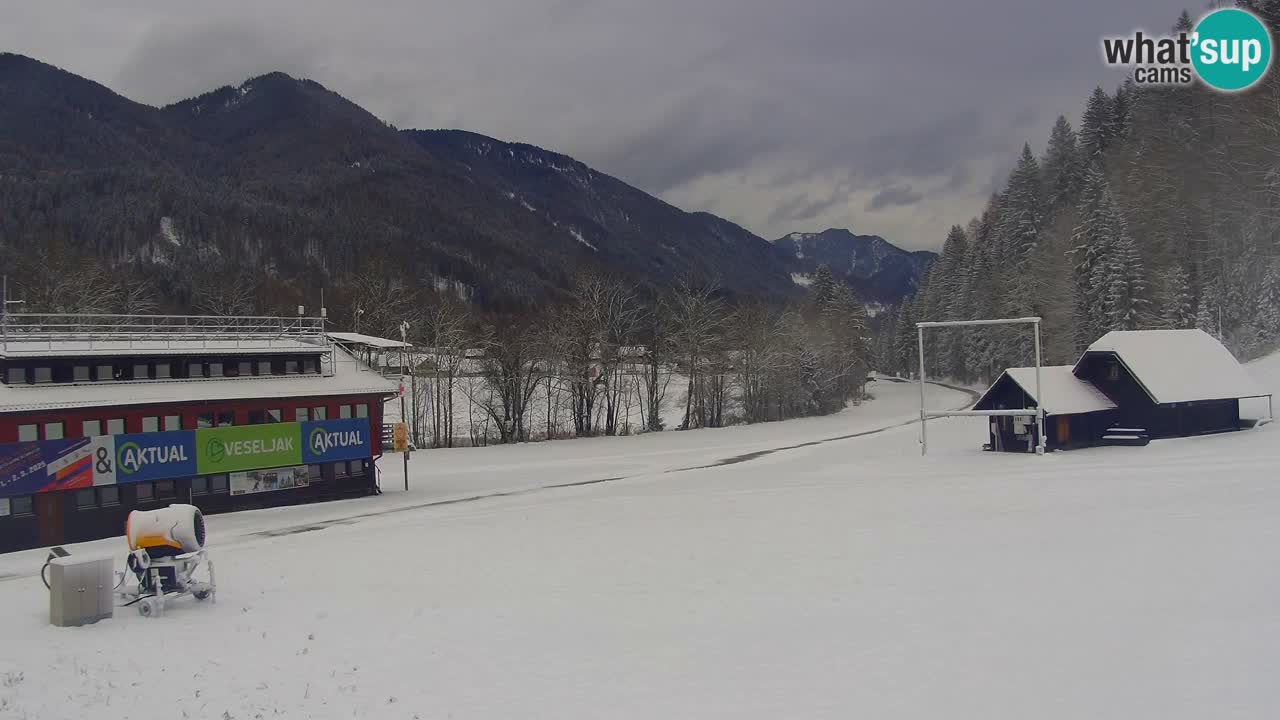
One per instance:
(895, 117)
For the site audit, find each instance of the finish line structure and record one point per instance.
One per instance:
(1038, 411)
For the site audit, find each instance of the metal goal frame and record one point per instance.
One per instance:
(1037, 411)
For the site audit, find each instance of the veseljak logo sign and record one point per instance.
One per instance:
(247, 447)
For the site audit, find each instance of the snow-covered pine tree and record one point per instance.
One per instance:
(1128, 305)
(1096, 126)
(823, 288)
(1063, 171)
(1022, 212)
(1122, 109)
(1178, 305)
(953, 304)
(1269, 305)
(1092, 240)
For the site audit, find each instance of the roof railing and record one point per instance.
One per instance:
(33, 331)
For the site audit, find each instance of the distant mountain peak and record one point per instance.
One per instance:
(881, 271)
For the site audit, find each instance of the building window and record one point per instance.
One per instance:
(28, 433)
(151, 424)
(43, 374)
(257, 417)
(344, 411)
(54, 431)
(21, 506)
(17, 375)
(106, 372)
(91, 428)
(320, 413)
(141, 371)
(86, 499)
(80, 373)
(245, 368)
(165, 490)
(291, 367)
(204, 420)
(264, 367)
(275, 415)
(215, 369)
(1113, 371)
(340, 469)
(163, 371)
(226, 418)
(143, 492)
(310, 366)
(195, 370)
(300, 415)
(218, 484)
(172, 422)
(115, 426)
(314, 474)
(109, 495)
(362, 410)
(200, 486)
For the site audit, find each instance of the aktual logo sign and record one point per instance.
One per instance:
(1229, 50)
(132, 458)
(322, 441)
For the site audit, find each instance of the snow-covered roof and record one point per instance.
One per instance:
(370, 340)
(1179, 365)
(349, 377)
(182, 346)
(1064, 393)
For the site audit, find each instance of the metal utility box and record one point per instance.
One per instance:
(80, 590)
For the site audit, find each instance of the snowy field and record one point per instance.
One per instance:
(839, 579)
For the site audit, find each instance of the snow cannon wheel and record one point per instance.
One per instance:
(201, 592)
(149, 607)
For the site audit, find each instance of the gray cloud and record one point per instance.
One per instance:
(780, 116)
(895, 196)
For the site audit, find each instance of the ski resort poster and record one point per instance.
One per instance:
(257, 481)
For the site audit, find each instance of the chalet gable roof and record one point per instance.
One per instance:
(1064, 393)
(1175, 366)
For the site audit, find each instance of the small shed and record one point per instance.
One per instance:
(1169, 383)
(1076, 413)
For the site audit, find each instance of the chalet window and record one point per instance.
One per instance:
(300, 415)
(54, 431)
(362, 410)
(226, 418)
(141, 371)
(163, 371)
(108, 496)
(21, 506)
(1113, 371)
(215, 369)
(115, 426)
(218, 484)
(275, 415)
(28, 433)
(106, 372)
(165, 490)
(245, 368)
(43, 374)
(344, 411)
(150, 424)
(144, 492)
(91, 428)
(80, 373)
(320, 413)
(172, 422)
(200, 486)
(204, 420)
(86, 499)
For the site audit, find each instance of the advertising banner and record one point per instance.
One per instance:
(151, 456)
(34, 467)
(256, 481)
(335, 440)
(247, 447)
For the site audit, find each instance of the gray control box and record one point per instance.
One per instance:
(80, 590)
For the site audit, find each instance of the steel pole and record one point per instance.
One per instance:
(924, 421)
(1039, 396)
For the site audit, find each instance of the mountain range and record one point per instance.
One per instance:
(292, 187)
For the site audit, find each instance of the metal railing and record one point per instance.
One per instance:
(36, 331)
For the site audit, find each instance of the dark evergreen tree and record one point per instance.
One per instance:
(1097, 126)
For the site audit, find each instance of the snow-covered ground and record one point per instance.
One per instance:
(847, 578)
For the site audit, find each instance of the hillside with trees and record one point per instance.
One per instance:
(1157, 210)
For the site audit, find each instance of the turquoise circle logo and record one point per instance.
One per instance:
(1232, 49)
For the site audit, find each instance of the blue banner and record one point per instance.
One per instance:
(34, 467)
(143, 457)
(326, 441)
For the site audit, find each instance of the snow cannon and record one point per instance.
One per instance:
(173, 530)
(166, 549)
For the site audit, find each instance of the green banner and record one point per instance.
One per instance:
(248, 447)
